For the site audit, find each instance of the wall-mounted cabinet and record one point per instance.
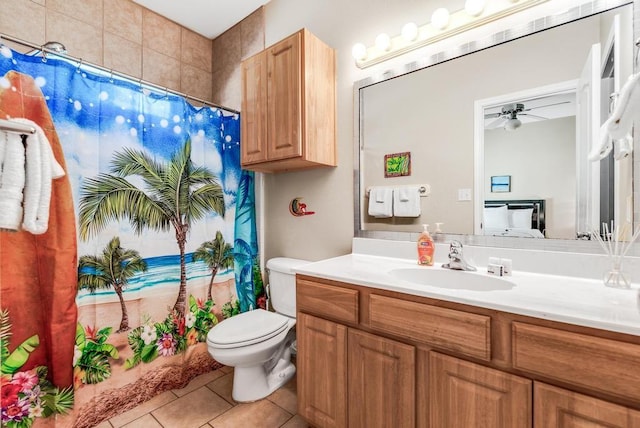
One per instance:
(288, 119)
(377, 358)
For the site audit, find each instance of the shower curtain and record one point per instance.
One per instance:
(151, 242)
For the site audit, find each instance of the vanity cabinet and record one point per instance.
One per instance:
(378, 358)
(336, 362)
(288, 106)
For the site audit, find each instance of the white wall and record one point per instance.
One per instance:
(540, 157)
(329, 193)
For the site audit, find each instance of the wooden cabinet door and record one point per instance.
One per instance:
(322, 371)
(284, 98)
(556, 407)
(253, 120)
(463, 394)
(381, 382)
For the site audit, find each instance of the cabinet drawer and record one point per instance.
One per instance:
(461, 332)
(336, 303)
(596, 363)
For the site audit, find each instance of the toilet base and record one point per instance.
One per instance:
(253, 383)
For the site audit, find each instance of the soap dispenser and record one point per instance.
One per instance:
(426, 247)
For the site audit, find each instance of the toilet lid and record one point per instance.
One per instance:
(247, 328)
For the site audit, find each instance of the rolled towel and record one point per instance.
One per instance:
(12, 180)
(41, 168)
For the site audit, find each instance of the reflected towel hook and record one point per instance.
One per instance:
(637, 51)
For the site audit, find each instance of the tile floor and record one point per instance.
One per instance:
(206, 403)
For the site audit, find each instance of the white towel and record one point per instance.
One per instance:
(617, 127)
(381, 202)
(41, 168)
(12, 178)
(406, 201)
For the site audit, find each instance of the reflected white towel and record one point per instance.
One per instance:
(41, 168)
(618, 126)
(12, 178)
(381, 202)
(406, 201)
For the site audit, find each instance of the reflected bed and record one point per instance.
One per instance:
(524, 218)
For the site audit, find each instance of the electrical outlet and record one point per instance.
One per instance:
(464, 194)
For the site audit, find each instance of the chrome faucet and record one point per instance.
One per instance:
(456, 261)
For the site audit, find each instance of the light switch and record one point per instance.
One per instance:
(464, 194)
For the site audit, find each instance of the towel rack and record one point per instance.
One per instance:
(424, 189)
(19, 128)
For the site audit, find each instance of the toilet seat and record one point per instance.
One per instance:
(247, 328)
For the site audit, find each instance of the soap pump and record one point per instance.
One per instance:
(426, 247)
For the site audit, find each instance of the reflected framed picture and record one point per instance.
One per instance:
(500, 183)
(397, 164)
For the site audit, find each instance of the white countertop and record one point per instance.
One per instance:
(580, 301)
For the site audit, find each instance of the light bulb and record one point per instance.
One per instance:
(440, 18)
(409, 32)
(383, 42)
(474, 7)
(359, 52)
(512, 124)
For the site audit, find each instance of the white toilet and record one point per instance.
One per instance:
(258, 343)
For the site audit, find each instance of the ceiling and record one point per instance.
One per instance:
(209, 18)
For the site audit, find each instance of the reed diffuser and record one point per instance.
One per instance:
(612, 240)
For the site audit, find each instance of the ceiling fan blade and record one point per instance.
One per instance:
(534, 116)
(547, 105)
(492, 115)
(498, 123)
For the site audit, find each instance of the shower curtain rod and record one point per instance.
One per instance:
(19, 128)
(112, 72)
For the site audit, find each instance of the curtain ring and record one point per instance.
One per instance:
(111, 76)
(79, 65)
(166, 92)
(44, 53)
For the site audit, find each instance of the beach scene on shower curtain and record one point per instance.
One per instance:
(151, 242)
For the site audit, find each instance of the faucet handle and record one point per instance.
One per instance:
(455, 248)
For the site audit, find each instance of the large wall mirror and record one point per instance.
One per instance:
(501, 136)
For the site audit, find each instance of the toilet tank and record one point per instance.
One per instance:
(282, 284)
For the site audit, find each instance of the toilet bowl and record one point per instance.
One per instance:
(258, 343)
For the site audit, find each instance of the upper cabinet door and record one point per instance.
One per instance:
(253, 123)
(288, 106)
(284, 74)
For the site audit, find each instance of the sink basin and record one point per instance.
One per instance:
(452, 279)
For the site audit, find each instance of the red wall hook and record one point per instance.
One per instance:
(298, 209)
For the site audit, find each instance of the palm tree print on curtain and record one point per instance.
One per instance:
(216, 254)
(112, 269)
(173, 196)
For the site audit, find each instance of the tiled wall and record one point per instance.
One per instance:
(117, 34)
(239, 42)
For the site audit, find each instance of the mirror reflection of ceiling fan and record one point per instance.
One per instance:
(509, 115)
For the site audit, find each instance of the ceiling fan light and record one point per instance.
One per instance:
(512, 124)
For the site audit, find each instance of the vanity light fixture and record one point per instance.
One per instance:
(442, 25)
